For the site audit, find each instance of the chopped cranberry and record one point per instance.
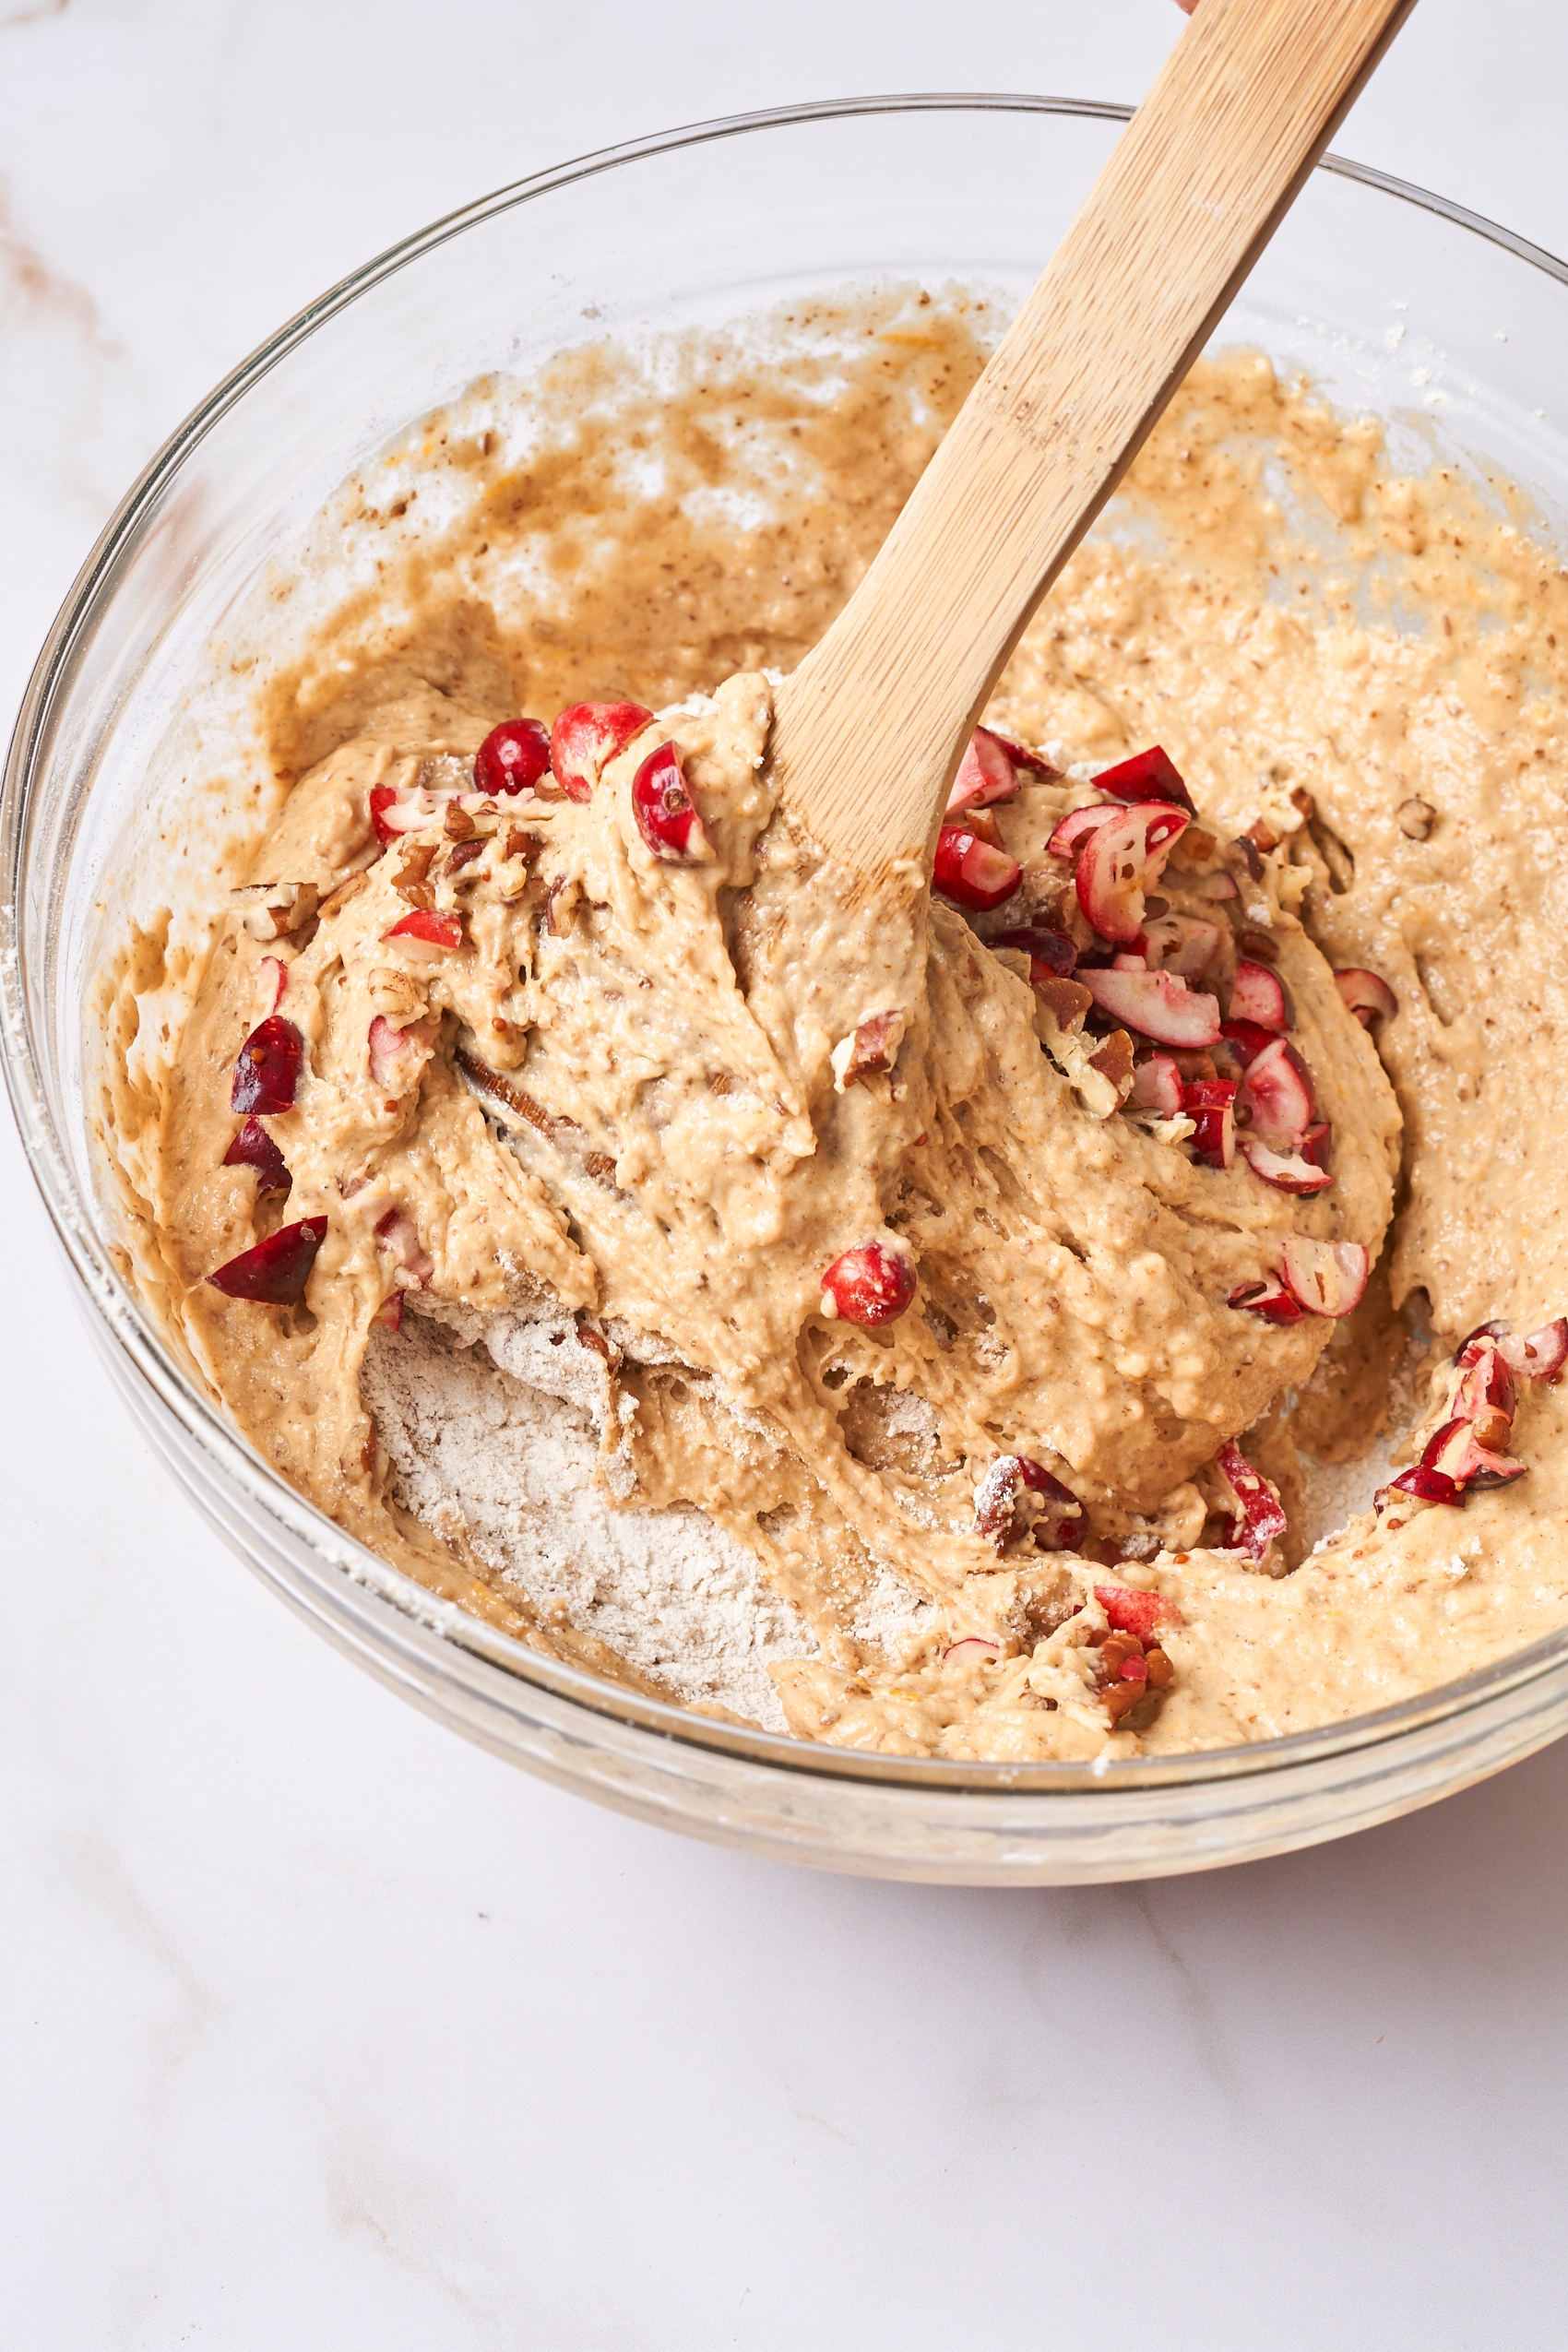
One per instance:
(992, 768)
(513, 757)
(1367, 996)
(1077, 825)
(1180, 943)
(276, 1271)
(869, 1285)
(1288, 1171)
(1147, 776)
(1456, 1453)
(1427, 1485)
(1275, 1103)
(1060, 1519)
(1131, 1611)
(253, 1147)
(389, 1313)
(1317, 1144)
(1246, 1040)
(586, 738)
(1487, 1385)
(274, 971)
(1328, 1278)
(1271, 1299)
(1156, 1004)
(1539, 1355)
(1055, 1517)
(1257, 993)
(1260, 1518)
(974, 1649)
(1119, 860)
(1156, 1085)
(266, 1074)
(1053, 949)
(428, 929)
(1210, 1103)
(970, 872)
(662, 806)
(381, 799)
(397, 1233)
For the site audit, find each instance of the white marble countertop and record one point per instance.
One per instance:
(321, 2029)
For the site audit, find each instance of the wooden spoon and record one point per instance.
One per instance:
(872, 726)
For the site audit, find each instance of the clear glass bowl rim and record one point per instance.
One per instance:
(107, 1295)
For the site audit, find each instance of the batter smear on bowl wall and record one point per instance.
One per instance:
(1102, 1296)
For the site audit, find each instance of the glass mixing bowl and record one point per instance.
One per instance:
(1398, 304)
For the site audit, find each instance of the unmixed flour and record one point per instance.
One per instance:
(491, 1425)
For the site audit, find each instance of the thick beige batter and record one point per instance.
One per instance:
(659, 1165)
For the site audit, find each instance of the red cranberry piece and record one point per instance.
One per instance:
(662, 806)
(1147, 776)
(1076, 826)
(1136, 1612)
(1369, 998)
(1060, 1523)
(1540, 1355)
(869, 1285)
(991, 769)
(1317, 1144)
(276, 1271)
(397, 1233)
(1156, 1004)
(1260, 1518)
(974, 1649)
(1286, 1171)
(253, 1147)
(1488, 1384)
(512, 757)
(1270, 1299)
(970, 872)
(1328, 1278)
(1210, 1103)
(1456, 1453)
(1246, 1040)
(1053, 949)
(1257, 993)
(381, 799)
(1121, 860)
(1427, 1485)
(1156, 1085)
(274, 972)
(268, 1072)
(1274, 1104)
(586, 738)
(429, 928)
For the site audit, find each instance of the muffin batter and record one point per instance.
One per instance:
(881, 1241)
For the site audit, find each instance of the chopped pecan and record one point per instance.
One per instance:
(1114, 1060)
(410, 880)
(457, 825)
(1067, 999)
(337, 899)
(1126, 1672)
(463, 855)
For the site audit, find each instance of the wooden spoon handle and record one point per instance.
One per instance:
(872, 726)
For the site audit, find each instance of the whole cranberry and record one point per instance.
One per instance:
(870, 1285)
(513, 756)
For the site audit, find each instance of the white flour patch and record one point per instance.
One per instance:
(508, 1456)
